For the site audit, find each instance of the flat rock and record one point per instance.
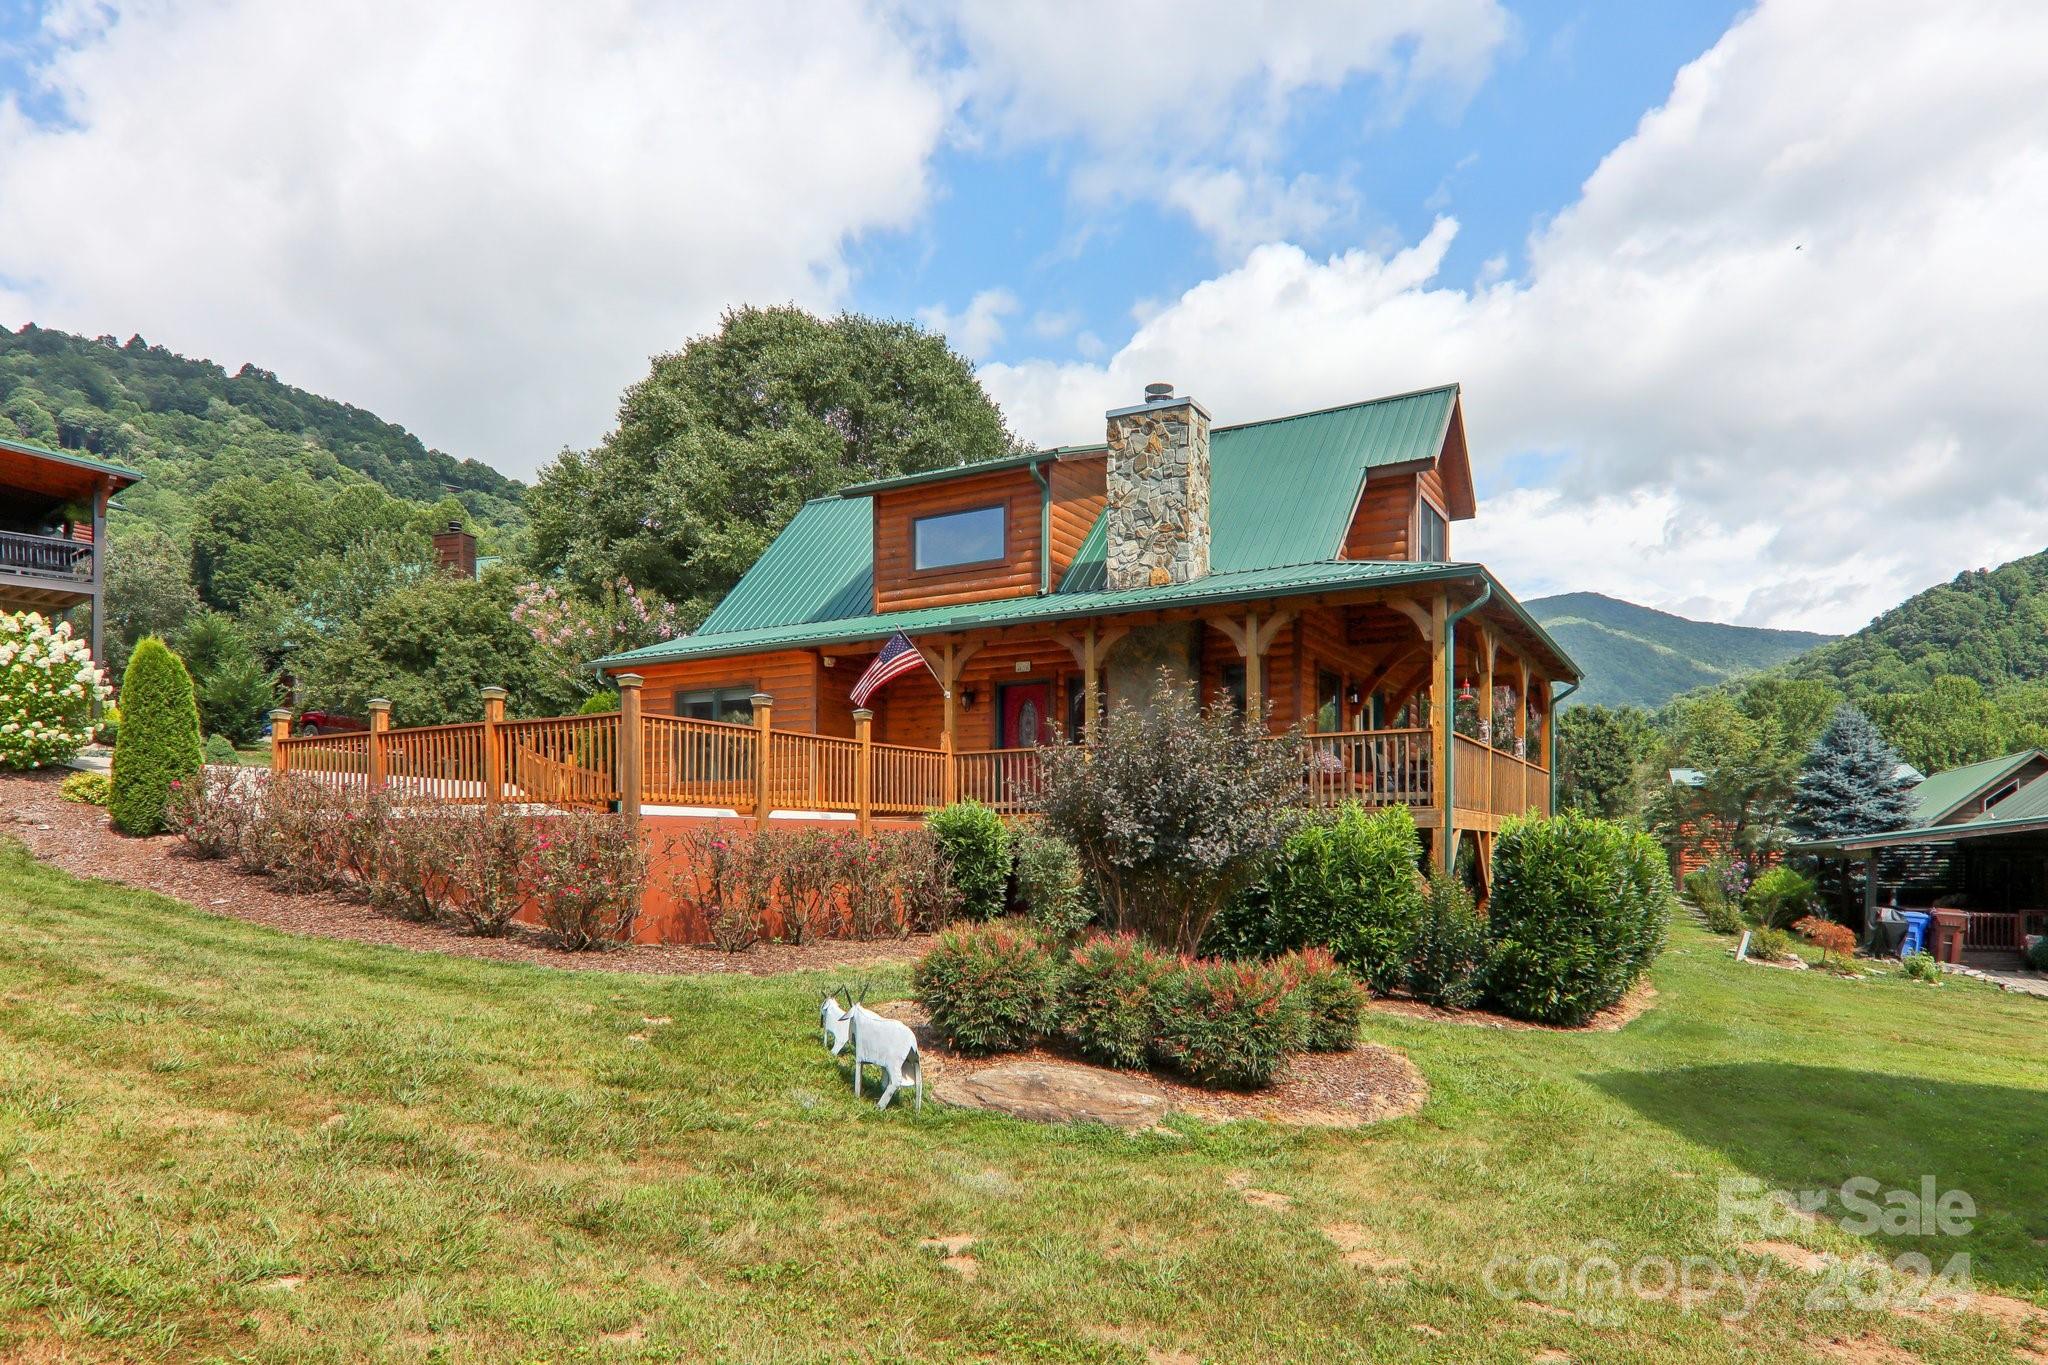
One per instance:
(1048, 1093)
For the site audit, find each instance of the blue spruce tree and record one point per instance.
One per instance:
(1849, 783)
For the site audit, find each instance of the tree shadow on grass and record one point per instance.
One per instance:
(1814, 1127)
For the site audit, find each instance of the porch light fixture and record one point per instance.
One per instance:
(1352, 698)
(967, 699)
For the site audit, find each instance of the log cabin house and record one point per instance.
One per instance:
(53, 530)
(1299, 567)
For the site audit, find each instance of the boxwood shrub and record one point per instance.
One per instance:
(1106, 997)
(159, 738)
(977, 848)
(1226, 1023)
(987, 990)
(1578, 913)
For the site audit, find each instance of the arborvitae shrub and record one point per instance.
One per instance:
(159, 738)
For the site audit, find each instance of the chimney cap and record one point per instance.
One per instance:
(454, 528)
(1161, 392)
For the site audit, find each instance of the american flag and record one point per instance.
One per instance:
(898, 657)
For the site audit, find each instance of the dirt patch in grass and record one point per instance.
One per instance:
(1868, 1349)
(76, 838)
(1614, 1017)
(1368, 1084)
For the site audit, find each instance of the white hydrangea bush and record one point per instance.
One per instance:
(48, 683)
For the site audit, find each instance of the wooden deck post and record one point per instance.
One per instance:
(1488, 645)
(764, 724)
(864, 771)
(494, 761)
(1440, 728)
(280, 730)
(632, 747)
(1091, 683)
(380, 723)
(1254, 682)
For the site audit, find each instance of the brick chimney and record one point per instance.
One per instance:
(1158, 491)
(455, 550)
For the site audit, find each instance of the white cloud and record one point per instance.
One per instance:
(1184, 102)
(478, 218)
(975, 329)
(1788, 336)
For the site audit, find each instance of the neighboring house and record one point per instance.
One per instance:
(1300, 567)
(53, 530)
(1978, 839)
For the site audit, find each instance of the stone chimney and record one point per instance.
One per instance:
(1158, 491)
(455, 550)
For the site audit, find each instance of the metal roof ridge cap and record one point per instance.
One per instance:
(1454, 386)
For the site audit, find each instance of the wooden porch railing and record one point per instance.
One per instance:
(590, 761)
(46, 556)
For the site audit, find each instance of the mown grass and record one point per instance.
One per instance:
(457, 1160)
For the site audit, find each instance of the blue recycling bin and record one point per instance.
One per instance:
(1916, 931)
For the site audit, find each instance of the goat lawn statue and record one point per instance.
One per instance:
(876, 1042)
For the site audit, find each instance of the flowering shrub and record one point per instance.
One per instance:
(48, 683)
(589, 872)
(1329, 999)
(1834, 940)
(1226, 1023)
(987, 990)
(722, 872)
(493, 868)
(1105, 999)
(411, 877)
(211, 811)
(574, 627)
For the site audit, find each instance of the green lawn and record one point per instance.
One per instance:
(217, 1141)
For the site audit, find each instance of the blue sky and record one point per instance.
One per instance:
(1701, 268)
(1569, 86)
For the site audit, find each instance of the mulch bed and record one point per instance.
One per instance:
(76, 838)
(1614, 1017)
(1368, 1084)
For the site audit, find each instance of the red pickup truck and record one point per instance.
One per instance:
(327, 723)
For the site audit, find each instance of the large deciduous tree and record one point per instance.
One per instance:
(1850, 782)
(725, 439)
(1946, 724)
(1603, 753)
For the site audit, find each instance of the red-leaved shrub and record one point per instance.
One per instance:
(589, 873)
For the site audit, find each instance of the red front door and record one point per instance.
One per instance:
(1027, 715)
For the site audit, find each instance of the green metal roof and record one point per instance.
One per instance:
(1281, 498)
(2028, 803)
(1251, 585)
(72, 457)
(1282, 491)
(954, 471)
(821, 568)
(1937, 797)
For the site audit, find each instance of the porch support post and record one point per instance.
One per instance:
(632, 747)
(764, 726)
(1091, 696)
(1253, 638)
(1488, 647)
(99, 586)
(494, 761)
(864, 771)
(1440, 730)
(1870, 893)
(380, 723)
(280, 731)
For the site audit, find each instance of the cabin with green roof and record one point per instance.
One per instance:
(1298, 568)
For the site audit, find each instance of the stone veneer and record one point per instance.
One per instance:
(1158, 494)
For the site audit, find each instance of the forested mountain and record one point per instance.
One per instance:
(1987, 625)
(189, 425)
(1634, 656)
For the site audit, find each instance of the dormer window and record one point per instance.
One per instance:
(1431, 540)
(952, 540)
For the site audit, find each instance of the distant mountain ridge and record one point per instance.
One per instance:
(1637, 656)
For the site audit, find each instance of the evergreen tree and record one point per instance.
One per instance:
(159, 741)
(1850, 783)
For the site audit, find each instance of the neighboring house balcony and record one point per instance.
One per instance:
(53, 572)
(53, 521)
